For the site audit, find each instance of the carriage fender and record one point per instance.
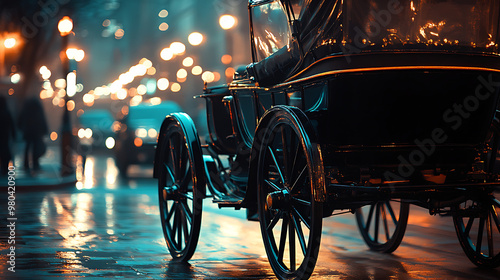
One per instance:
(190, 133)
(306, 126)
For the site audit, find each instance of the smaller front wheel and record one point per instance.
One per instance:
(180, 179)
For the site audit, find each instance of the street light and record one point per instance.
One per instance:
(65, 27)
(227, 21)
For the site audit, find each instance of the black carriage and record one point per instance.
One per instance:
(349, 106)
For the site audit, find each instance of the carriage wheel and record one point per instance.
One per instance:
(289, 171)
(477, 224)
(179, 188)
(383, 224)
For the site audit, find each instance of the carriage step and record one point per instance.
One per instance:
(229, 201)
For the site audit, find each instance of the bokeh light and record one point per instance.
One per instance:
(195, 38)
(163, 83)
(163, 26)
(182, 73)
(226, 59)
(188, 62)
(163, 13)
(175, 87)
(208, 76)
(178, 47)
(227, 21)
(166, 54)
(196, 70)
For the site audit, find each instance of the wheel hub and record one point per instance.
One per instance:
(278, 200)
(170, 191)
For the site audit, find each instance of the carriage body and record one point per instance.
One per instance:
(381, 100)
(418, 92)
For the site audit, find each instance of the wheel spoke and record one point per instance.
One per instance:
(275, 220)
(186, 195)
(284, 227)
(291, 245)
(369, 220)
(377, 220)
(296, 212)
(179, 227)
(384, 218)
(469, 226)
(272, 185)
(171, 212)
(175, 227)
(188, 212)
(185, 228)
(494, 215)
(298, 178)
(480, 236)
(169, 172)
(301, 201)
(489, 229)
(391, 212)
(300, 235)
(278, 168)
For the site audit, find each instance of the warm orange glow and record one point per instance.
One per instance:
(196, 70)
(188, 61)
(229, 72)
(226, 59)
(195, 38)
(163, 26)
(216, 76)
(119, 33)
(175, 87)
(9, 43)
(138, 142)
(71, 105)
(65, 26)
(227, 21)
(53, 136)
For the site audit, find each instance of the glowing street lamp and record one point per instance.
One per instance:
(227, 21)
(65, 26)
(9, 43)
(195, 38)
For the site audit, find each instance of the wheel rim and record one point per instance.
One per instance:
(180, 204)
(383, 224)
(477, 223)
(290, 218)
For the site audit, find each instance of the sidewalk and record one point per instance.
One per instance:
(48, 177)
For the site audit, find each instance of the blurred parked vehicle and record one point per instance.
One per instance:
(138, 131)
(95, 128)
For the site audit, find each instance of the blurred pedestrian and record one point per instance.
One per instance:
(7, 132)
(33, 124)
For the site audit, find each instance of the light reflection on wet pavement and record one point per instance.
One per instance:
(109, 227)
